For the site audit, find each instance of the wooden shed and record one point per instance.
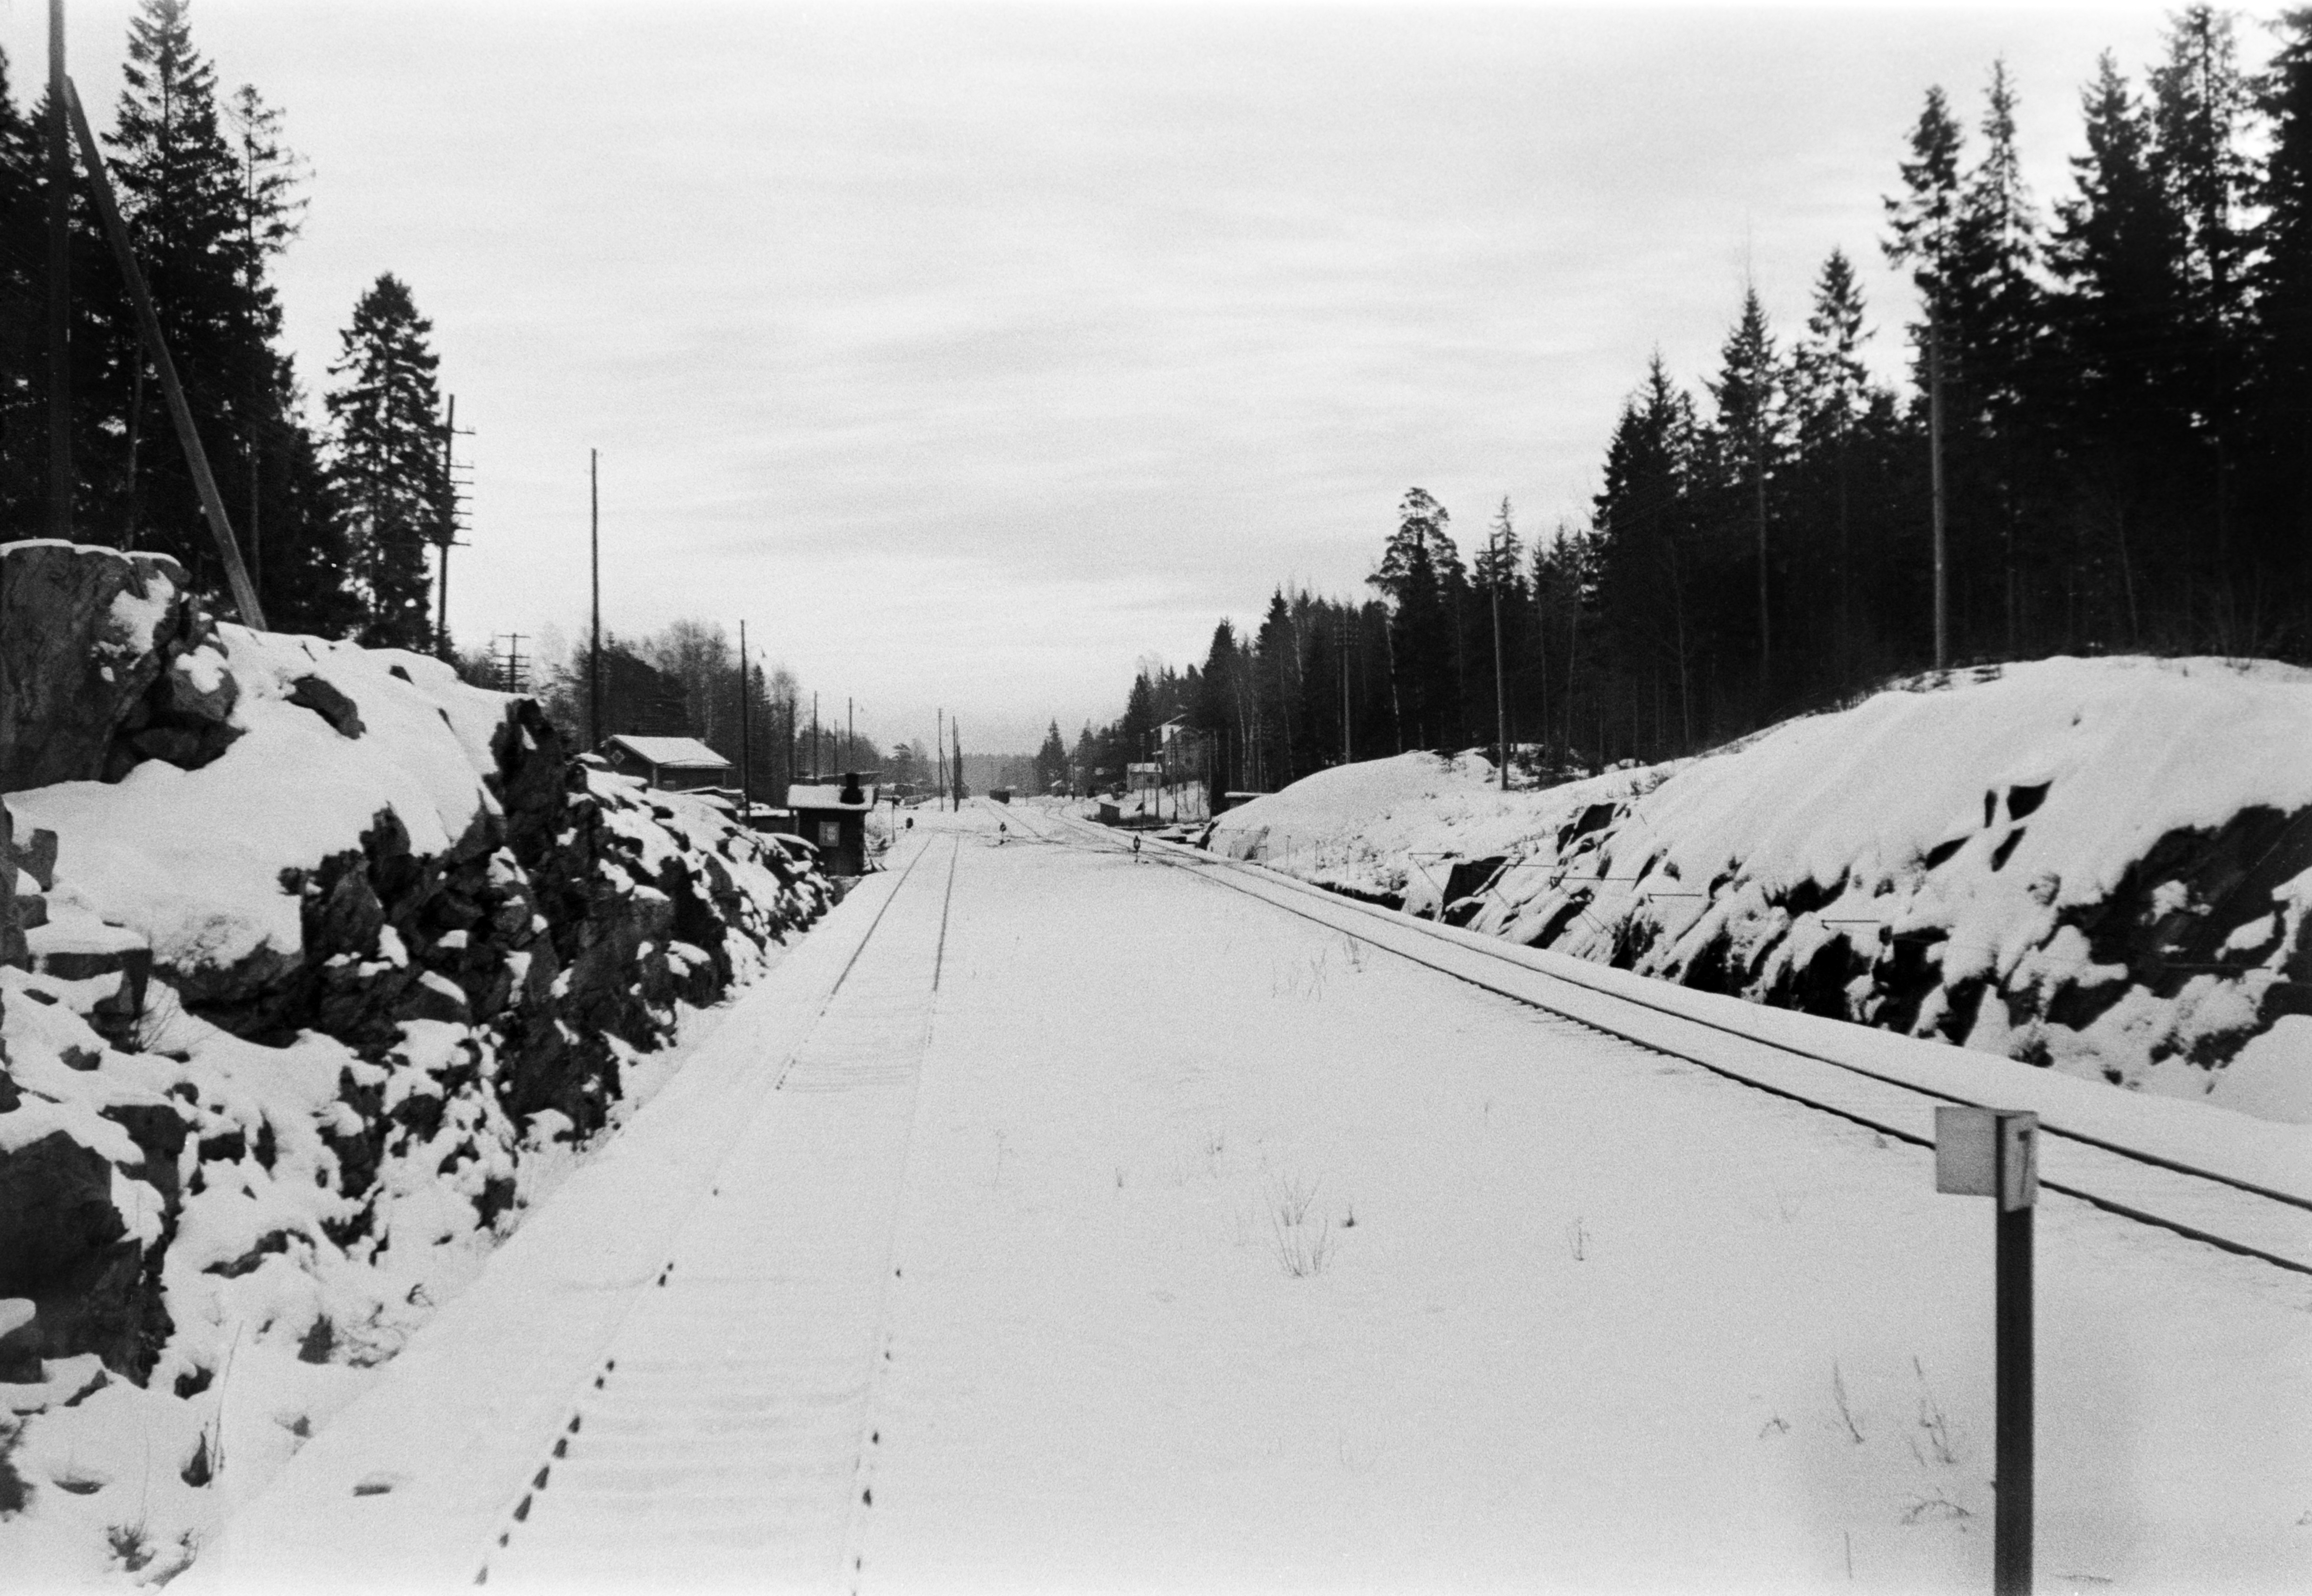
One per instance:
(670, 764)
(833, 818)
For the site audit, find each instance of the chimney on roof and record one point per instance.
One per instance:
(851, 793)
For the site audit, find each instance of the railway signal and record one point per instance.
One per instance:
(1994, 1153)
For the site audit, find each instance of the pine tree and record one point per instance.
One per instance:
(1417, 565)
(388, 461)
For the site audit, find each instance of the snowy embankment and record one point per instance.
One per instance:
(321, 966)
(2101, 865)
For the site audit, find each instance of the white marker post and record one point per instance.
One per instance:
(1994, 1153)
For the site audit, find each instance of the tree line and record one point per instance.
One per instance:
(336, 520)
(683, 680)
(2121, 387)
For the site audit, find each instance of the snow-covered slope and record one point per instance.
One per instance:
(2099, 865)
(316, 1004)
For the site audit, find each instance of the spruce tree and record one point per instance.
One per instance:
(175, 174)
(1051, 760)
(1829, 384)
(2283, 298)
(387, 463)
(1923, 221)
(24, 306)
(1277, 660)
(1746, 442)
(1994, 335)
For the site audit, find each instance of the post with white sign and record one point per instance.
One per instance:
(1994, 1153)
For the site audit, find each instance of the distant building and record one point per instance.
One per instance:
(671, 764)
(1001, 794)
(834, 820)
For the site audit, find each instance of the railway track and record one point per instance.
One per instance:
(724, 1428)
(2249, 1210)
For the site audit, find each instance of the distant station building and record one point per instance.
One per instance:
(670, 764)
(833, 818)
(1001, 794)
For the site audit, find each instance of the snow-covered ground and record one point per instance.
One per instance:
(1112, 1231)
(2099, 865)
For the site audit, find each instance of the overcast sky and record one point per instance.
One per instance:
(972, 353)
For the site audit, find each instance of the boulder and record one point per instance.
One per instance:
(55, 1212)
(311, 692)
(84, 632)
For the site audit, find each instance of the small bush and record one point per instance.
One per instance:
(130, 1543)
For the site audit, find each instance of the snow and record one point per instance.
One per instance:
(2126, 749)
(2272, 1078)
(134, 623)
(192, 861)
(1016, 1284)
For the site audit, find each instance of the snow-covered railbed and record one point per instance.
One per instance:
(2214, 1176)
(1226, 1251)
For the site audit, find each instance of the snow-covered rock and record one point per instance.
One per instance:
(2102, 865)
(311, 999)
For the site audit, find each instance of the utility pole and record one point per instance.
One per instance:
(514, 673)
(939, 751)
(60, 465)
(594, 650)
(818, 753)
(1501, 699)
(1935, 475)
(850, 734)
(746, 752)
(450, 528)
(1347, 756)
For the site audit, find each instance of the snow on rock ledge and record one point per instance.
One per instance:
(316, 953)
(2101, 865)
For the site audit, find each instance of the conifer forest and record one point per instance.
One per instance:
(2125, 377)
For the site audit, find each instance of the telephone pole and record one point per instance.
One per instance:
(1346, 756)
(746, 752)
(1500, 695)
(594, 649)
(513, 670)
(60, 465)
(450, 524)
(1935, 476)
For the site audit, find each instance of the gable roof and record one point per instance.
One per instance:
(826, 795)
(679, 753)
